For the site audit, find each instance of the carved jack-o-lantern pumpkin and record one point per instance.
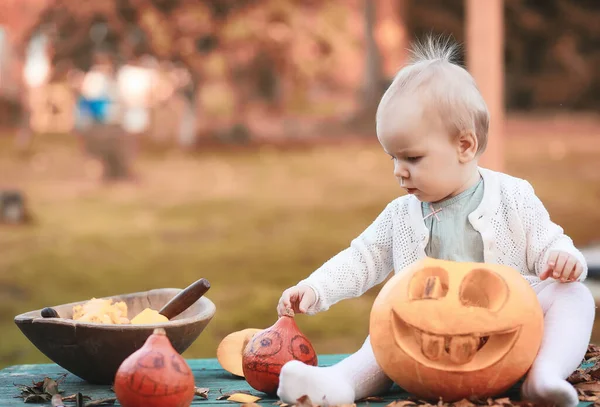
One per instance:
(456, 330)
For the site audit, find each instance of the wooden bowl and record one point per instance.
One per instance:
(95, 351)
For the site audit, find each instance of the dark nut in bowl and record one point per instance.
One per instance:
(95, 351)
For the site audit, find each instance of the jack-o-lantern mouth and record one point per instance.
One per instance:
(268, 368)
(453, 352)
(144, 385)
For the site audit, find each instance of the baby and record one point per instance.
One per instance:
(433, 123)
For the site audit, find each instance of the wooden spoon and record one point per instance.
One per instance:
(185, 298)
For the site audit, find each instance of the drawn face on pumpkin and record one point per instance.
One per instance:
(440, 320)
(269, 343)
(153, 365)
(264, 346)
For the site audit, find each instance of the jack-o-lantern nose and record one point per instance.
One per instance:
(429, 284)
(483, 288)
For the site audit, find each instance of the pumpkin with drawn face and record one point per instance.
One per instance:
(267, 352)
(155, 376)
(455, 329)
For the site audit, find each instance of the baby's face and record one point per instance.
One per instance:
(425, 155)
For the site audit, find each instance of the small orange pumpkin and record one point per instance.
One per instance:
(456, 329)
(267, 352)
(155, 376)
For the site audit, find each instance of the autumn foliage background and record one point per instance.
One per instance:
(244, 149)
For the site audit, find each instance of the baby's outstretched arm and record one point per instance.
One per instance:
(366, 262)
(550, 252)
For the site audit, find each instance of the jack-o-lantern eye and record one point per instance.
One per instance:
(483, 288)
(175, 363)
(428, 283)
(300, 348)
(266, 344)
(152, 360)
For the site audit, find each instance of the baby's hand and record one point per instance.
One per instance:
(562, 266)
(299, 298)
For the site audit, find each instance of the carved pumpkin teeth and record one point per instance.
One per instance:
(482, 341)
(432, 346)
(462, 349)
(418, 334)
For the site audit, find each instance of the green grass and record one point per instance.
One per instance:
(252, 222)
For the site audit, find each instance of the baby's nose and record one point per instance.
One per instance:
(400, 171)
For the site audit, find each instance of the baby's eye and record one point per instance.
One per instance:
(413, 159)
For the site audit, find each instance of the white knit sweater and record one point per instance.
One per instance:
(514, 225)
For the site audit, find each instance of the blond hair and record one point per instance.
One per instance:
(448, 89)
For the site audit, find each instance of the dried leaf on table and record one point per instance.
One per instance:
(26, 391)
(375, 399)
(41, 391)
(102, 402)
(73, 397)
(579, 376)
(304, 401)
(57, 401)
(402, 403)
(592, 350)
(505, 401)
(243, 398)
(224, 396)
(50, 386)
(463, 403)
(588, 397)
(588, 386)
(201, 392)
(594, 372)
(37, 398)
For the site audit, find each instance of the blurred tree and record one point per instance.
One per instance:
(247, 58)
(17, 18)
(552, 54)
(374, 71)
(270, 52)
(552, 48)
(392, 35)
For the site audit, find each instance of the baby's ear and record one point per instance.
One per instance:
(466, 146)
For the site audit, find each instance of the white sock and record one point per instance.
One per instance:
(569, 310)
(351, 379)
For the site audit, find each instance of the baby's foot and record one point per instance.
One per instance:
(549, 390)
(322, 385)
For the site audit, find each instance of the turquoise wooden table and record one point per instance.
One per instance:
(207, 372)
